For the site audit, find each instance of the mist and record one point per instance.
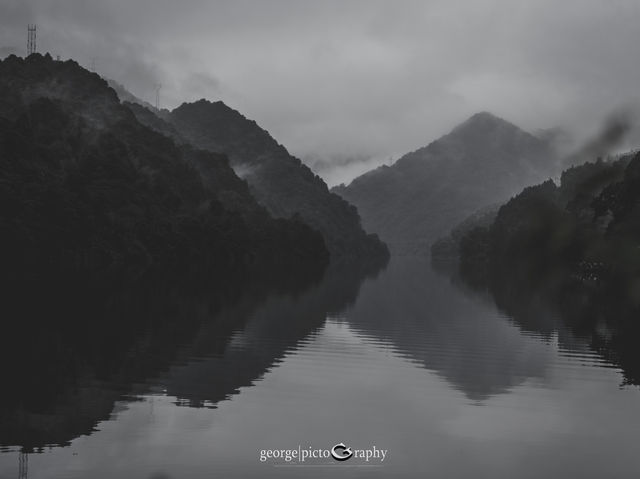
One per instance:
(420, 255)
(358, 79)
(618, 133)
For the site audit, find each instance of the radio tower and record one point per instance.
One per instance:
(157, 87)
(31, 39)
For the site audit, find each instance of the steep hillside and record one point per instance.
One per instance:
(586, 229)
(447, 248)
(278, 180)
(574, 247)
(85, 187)
(425, 193)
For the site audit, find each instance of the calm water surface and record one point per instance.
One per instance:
(406, 361)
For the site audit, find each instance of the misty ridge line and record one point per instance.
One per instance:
(256, 155)
(614, 132)
(278, 182)
(617, 127)
(405, 84)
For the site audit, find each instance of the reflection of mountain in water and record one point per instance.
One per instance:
(458, 336)
(78, 354)
(585, 319)
(269, 331)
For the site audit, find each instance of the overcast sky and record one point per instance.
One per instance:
(355, 78)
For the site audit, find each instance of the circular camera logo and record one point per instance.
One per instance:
(340, 452)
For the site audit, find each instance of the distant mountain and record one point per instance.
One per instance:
(86, 188)
(447, 248)
(279, 181)
(425, 193)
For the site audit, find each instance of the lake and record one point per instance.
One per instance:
(405, 360)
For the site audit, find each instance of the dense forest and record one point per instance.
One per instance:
(85, 188)
(484, 160)
(120, 241)
(575, 246)
(279, 181)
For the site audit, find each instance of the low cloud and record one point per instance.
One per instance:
(366, 78)
(619, 131)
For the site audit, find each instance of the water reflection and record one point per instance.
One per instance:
(587, 317)
(407, 361)
(74, 355)
(460, 337)
(269, 332)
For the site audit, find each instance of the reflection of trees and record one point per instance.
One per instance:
(76, 351)
(276, 325)
(456, 335)
(602, 317)
(570, 248)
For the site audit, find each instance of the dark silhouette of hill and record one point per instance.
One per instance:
(120, 246)
(575, 246)
(279, 181)
(425, 193)
(86, 188)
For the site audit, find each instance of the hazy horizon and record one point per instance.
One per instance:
(359, 81)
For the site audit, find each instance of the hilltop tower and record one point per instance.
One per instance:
(31, 39)
(157, 87)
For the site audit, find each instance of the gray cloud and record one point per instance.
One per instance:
(199, 85)
(619, 132)
(356, 78)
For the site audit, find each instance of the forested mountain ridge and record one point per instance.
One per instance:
(588, 226)
(425, 193)
(279, 181)
(574, 247)
(86, 187)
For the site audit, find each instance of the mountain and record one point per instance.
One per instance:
(586, 229)
(86, 188)
(574, 247)
(279, 181)
(446, 249)
(425, 193)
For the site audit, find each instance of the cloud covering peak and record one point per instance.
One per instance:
(362, 78)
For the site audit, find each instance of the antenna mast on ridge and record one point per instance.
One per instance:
(31, 39)
(157, 87)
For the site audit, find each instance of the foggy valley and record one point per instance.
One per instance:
(267, 239)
